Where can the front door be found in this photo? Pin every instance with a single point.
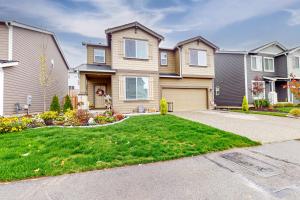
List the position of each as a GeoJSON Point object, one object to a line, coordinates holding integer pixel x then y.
{"type": "Point", "coordinates": [100, 91]}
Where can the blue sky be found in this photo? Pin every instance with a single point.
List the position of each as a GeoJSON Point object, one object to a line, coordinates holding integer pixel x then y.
{"type": "Point", "coordinates": [230, 24]}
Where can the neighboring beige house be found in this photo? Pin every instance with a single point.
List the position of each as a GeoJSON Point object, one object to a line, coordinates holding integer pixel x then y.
{"type": "Point", "coordinates": [21, 48]}
{"type": "Point", "coordinates": [136, 73]}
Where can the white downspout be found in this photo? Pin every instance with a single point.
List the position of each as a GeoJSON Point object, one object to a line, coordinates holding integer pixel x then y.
{"type": "Point", "coordinates": [180, 62]}
{"type": "Point", "coordinates": [246, 76]}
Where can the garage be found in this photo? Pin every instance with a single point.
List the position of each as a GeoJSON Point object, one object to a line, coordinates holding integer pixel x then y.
{"type": "Point", "coordinates": [186, 99]}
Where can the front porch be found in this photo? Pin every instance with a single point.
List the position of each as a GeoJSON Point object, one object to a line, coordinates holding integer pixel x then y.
{"type": "Point", "coordinates": [276, 90]}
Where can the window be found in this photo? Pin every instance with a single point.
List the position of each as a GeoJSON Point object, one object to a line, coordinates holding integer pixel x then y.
{"type": "Point", "coordinates": [297, 62]}
{"type": "Point", "coordinates": [258, 89]}
{"type": "Point", "coordinates": [217, 90]}
{"type": "Point", "coordinates": [256, 63]}
{"type": "Point", "coordinates": [198, 57]}
{"type": "Point", "coordinates": [268, 64]}
{"type": "Point", "coordinates": [163, 58]}
{"type": "Point", "coordinates": [137, 88]}
{"type": "Point", "coordinates": [99, 55]}
{"type": "Point", "coordinates": [136, 49]}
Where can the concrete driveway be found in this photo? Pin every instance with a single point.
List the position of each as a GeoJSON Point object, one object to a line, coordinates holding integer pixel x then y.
{"type": "Point", "coordinates": [265, 129]}
{"type": "Point", "coordinates": [271, 171]}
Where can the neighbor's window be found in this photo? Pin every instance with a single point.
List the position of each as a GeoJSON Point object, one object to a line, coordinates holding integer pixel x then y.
{"type": "Point", "coordinates": [136, 48]}
{"type": "Point", "coordinates": [258, 89]}
{"type": "Point", "coordinates": [256, 63]}
{"type": "Point", "coordinates": [137, 88]}
{"type": "Point", "coordinates": [163, 58]}
{"type": "Point", "coordinates": [198, 57]}
{"type": "Point", "coordinates": [217, 90]}
{"type": "Point", "coordinates": [297, 62]}
{"type": "Point", "coordinates": [268, 64]}
{"type": "Point", "coordinates": [99, 55]}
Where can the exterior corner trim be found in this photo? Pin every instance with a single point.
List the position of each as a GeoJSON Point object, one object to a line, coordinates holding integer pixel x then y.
{"type": "Point", "coordinates": [246, 77]}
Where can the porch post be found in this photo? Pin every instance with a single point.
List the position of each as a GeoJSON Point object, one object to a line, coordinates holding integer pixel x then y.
{"type": "Point", "coordinates": [288, 92]}
{"type": "Point", "coordinates": [83, 84]}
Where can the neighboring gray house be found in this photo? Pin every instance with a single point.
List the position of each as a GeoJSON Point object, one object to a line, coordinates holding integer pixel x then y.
{"type": "Point", "coordinates": [236, 72]}
{"type": "Point", "coordinates": [21, 49]}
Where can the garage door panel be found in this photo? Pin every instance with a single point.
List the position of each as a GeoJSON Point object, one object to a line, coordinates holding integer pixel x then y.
{"type": "Point", "coordinates": [186, 99]}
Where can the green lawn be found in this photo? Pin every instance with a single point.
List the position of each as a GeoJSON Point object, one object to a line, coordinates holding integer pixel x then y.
{"type": "Point", "coordinates": [277, 114]}
{"type": "Point", "coordinates": [141, 139]}
{"type": "Point", "coordinates": [285, 109]}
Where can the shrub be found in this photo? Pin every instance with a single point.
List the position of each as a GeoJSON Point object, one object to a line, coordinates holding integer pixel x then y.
{"type": "Point", "coordinates": [119, 117]}
{"type": "Point", "coordinates": [245, 106]}
{"type": "Point", "coordinates": [70, 118]}
{"type": "Point", "coordinates": [55, 104]}
{"type": "Point", "coordinates": [10, 124]}
{"type": "Point", "coordinates": [83, 117]}
{"type": "Point", "coordinates": [67, 104]}
{"type": "Point", "coordinates": [49, 116]}
{"type": "Point", "coordinates": [288, 105]}
{"type": "Point", "coordinates": [265, 103]}
{"type": "Point", "coordinates": [163, 106]}
{"type": "Point", "coordinates": [102, 119]}
{"type": "Point", "coordinates": [295, 112]}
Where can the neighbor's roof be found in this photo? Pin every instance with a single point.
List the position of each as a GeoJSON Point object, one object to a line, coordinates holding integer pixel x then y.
{"type": "Point", "coordinates": [33, 28]}
{"type": "Point", "coordinates": [134, 25]}
{"type": "Point", "coordinates": [197, 38]}
{"type": "Point", "coordinates": [268, 45]}
{"type": "Point", "coordinates": [232, 52]}
{"type": "Point", "coordinates": [95, 68]}
{"type": "Point", "coordinates": [8, 63]}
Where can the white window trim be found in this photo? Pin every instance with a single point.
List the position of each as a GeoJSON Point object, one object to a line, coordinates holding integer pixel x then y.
{"type": "Point", "coordinates": [124, 50]}
{"type": "Point", "coordinates": [161, 58]}
{"type": "Point", "coordinates": [198, 65]}
{"type": "Point", "coordinates": [265, 58]}
{"type": "Point", "coordinates": [295, 62]}
{"type": "Point", "coordinates": [95, 55]}
{"type": "Point", "coordinates": [136, 99]}
{"type": "Point", "coordinates": [264, 92]}
{"type": "Point", "coordinates": [260, 68]}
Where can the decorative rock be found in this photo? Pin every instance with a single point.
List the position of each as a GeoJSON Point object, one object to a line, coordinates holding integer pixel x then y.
{"type": "Point", "coordinates": [91, 121]}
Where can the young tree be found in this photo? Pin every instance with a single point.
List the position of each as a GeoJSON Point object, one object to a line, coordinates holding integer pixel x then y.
{"type": "Point", "coordinates": [257, 86]}
{"type": "Point", "coordinates": [68, 104]}
{"type": "Point", "coordinates": [55, 104]}
{"type": "Point", "coordinates": [245, 106]}
{"type": "Point", "coordinates": [294, 86]}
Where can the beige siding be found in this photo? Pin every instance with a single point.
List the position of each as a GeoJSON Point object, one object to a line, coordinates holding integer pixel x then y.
{"type": "Point", "coordinates": [3, 42]}
{"type": "Point", "coordinates": [118, 93]}
{"type": "Point", "coordinates": [118, 58]}
{"type": "Point", "coordinates": [195, 70]}
{"type": "Point", "coordinates": [195, 83]}
{"type": "Point", "coordinates": [171, 66]}
{"type": "Point", "coordinates": [23, 80]}
{"type": "Point", "coordinates": [90, 54]}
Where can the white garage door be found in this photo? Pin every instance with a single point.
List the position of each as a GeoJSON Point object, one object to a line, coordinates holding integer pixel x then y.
{"type": "Point", "coordinates": [186, 99]}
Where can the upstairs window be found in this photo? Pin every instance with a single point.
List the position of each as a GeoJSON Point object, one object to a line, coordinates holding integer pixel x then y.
{"type": "Point", "coordinates": [99, 55]}
{"type": "Point", "coordinates": [198, 57]}
{"type": "Point", "coordinates": [163, 58]}
{"type": "Point", "coordinates": [297, 62]}
{"type": "Point", "coordinates": [136, 49]}
{"type": "Point", "coordinates": [268, 64]}
{"type": "Point", "coordinates": [137, 88]}
{"type": "Point", "coordinates": [256, 63]}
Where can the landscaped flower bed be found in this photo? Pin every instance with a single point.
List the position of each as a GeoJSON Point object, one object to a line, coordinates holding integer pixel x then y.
{"type": "Point", "coordinates": [52, 118]}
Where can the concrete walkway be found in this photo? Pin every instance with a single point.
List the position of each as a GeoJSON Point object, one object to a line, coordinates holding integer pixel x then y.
{"type": "Point", "coordinates": [271, 171]}
{"type": "Point", "coordinates": [265, 129]}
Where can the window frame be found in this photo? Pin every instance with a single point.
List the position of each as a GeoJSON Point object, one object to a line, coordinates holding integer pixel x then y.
{"type": "Point", "coordinates": [264, 92]}
{"type": "Point", "coordinates": [217, 91]}
{"type": "Point", "coordinates": [136, 49]}
{"type": "Point", "coordinates": [251, 63]}
{"type": "Point", "coordinates": [295, 67]}
{"type": "Point", "coordinates": [164, 64]}
{"type": "Point", "coordinates": [269, 58]}
{"type": "Point", "coordinates": [198, 64]}
{"type": "Point", "coordinates": [99, 49]}
{"type": "Point", "coordinates": [136, 89]}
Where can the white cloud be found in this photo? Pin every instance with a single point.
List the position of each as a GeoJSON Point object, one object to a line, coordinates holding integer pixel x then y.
{"type": "Point", "coordinates": [295, 17]}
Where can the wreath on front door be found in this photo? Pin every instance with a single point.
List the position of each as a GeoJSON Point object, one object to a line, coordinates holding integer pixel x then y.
{"type": "Point", "coordinates": [100, 92]}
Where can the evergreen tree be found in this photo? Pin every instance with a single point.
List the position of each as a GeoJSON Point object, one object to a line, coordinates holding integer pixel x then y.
{"type": "Point", "coordinates": [245, 106]}
{"type": "Point", "coordinates": [68, 104]}
{"type": "Point", "coordinates": [55, 104]}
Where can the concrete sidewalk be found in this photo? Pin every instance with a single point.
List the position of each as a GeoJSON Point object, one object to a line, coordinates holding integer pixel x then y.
{"type": "Point", "coordinates": [271, 171]}
{"type": "Point", "coordinates": [262, 128]}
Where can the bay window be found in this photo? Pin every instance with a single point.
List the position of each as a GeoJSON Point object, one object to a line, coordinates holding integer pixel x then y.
{"type": "Point", "coordinates": [137, 88]}
{"type": "Point", "coordinates": [136, 49]}
{"type": "Point", "coordinates": [198, 57]}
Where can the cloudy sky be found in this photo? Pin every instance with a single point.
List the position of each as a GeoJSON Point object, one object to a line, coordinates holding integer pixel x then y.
{"type": "Point", "coordinates": [230, 24]}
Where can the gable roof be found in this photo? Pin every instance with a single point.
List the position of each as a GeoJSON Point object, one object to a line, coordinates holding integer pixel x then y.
{"type": "Point", "coordinates": [256, 50]}
{"type": "Point", "coordinates": [197, 38]}
{"type": "Point", "coordinates": [134, 25]}
{"type": "Point", "coordinates": [33, 28]}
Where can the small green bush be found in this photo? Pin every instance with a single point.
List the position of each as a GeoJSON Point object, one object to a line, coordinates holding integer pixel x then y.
{"type": "Point", "coordinates": [68, 104]}
{"type": "Point", "coordinates": [245, 106]}
{"type": "Point", "coordinates": [102, 119]}
{"type": "Point", "coordinates": [55, 104]}
{"type": "Point", "coordinates": [295, 112]}
{"type": "Point", "coordinates": [163, 106]}
{"type": "Point", "coordinates": [49, 115]}
{"type": "Point", "coordinates": [265, 103]}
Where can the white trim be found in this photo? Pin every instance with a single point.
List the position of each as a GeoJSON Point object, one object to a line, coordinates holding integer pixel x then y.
{"type": "Point", "coordinates": [136, 50]}
{"type": "Point", "coordinates": [168, 76]}
{"type": "Point", "coordinates": [8, 64]}
{"type": "Point", "coordinates": [163, 64]}
{"type": "Point", "coordinates": [265, 58]}
{"type": "Point", "coordinates": [136, 99]}
{"type": "Point", "coordinates": [264, 93]}
{"type": "Point", "coordinates": [246, 76]}
{"type": "Point", "coordinates": [289, 93]}
{"type": "Point", "coordinates": [1, 92]}
{"type": "Point", "coordinates": [10, 42]}
{"type": "Point", "coordinates": [294, 67]}
{"type": "Point", "coordinates": [268, 45]}
{"type": "Point", "coordinates": [99, 49]}
{"type": "Point", "coordinates": [259, 67]}
{"type": "Point", "coordinates": [198, 60]}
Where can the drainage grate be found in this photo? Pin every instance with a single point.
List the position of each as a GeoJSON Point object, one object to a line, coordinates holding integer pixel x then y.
{"type": "Point", "coordinates": [252, 164]}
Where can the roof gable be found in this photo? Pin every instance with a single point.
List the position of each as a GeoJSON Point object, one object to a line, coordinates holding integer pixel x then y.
{"type": "Point", "coordinates": [136, 25]}
{"type": "Point", "coordinates": [198, 38]}
{"type": "Point", "coordinates": [273, 48]}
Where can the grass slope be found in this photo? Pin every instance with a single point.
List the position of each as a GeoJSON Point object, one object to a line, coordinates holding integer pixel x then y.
{"type": "Point", "coordinates": [140, 139]}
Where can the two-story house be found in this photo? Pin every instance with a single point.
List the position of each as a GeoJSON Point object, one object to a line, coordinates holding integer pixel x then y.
{"type": "Point", "coordinates": [21, 49]}
{"type": "Point", "coordinates": [269, 66]}
{"type": "Point", "coordinates": [136, 73]}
